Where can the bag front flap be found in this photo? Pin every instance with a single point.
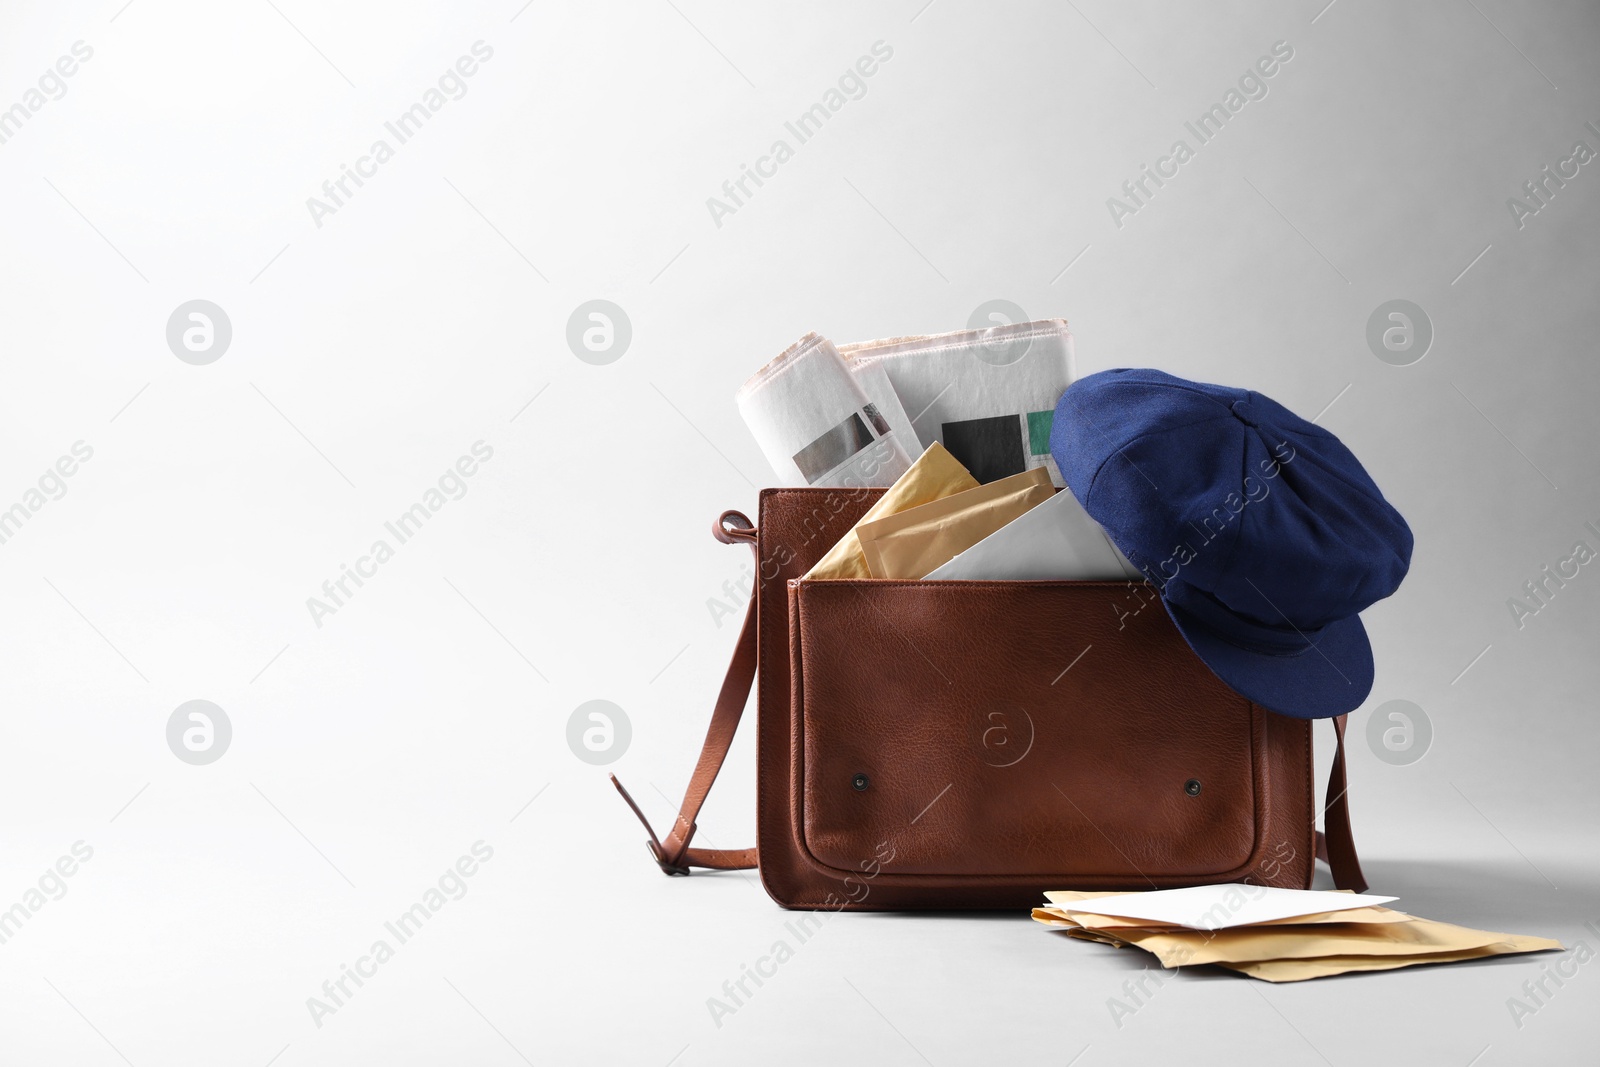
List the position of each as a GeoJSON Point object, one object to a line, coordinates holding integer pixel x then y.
{"type": "Point", "coordinates": [1052, 729]}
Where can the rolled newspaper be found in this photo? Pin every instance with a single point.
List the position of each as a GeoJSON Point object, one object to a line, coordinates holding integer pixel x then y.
{"type": "Point", "coordinates": [815, 423]}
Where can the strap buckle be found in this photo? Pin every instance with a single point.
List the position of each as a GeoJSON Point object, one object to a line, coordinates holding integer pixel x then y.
{"type": "Point", "coordinates": [731, 527]}
{"type": "Point", "coordinates": [671, 869]}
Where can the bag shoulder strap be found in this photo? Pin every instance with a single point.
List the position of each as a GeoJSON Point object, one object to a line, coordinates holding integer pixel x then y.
{"type": "Point", "coordinates": [673, 854]}
{"type": "Point", "coordinates": [1336, 847]}
{"type": "Point", "coordinates": [1336, 843]}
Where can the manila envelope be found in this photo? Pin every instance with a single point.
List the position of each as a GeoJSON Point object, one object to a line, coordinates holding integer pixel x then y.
{"type": "Point", "coordinates": [1299, 970]}
{"type": "Point", "coordinates": [1245, 944]}
{"type": "Point", "coordinates": [1323, 966]}
{"type": "Point", "coordinates": [911, 543]}
{"type": "Point", "coordinates": [934, 475]}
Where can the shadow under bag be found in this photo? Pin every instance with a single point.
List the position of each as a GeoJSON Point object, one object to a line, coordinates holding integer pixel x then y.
{"type": "Point", "coordinates": [972, 744]}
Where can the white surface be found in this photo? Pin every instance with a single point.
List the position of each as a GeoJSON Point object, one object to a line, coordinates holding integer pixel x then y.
{"type": "Point", "coordinates": [1218, 907]}
{"type": "Point", "coordinates": [432, 706]}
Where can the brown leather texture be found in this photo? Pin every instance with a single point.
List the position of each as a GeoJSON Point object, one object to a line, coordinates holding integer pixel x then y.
{"type": "Point", "coordinates": [961, 745]}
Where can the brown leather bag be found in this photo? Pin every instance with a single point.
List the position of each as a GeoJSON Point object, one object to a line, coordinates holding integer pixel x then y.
{"type": "Point", "coordinates": [971, 744]}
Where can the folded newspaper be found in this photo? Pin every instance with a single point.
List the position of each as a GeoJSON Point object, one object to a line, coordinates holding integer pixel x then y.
{"type": "Point", "coordinates": [987, 395]}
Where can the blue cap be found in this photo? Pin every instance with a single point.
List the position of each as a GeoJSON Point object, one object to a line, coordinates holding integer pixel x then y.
{"type": "Point", "coordinates": [1262, 532]}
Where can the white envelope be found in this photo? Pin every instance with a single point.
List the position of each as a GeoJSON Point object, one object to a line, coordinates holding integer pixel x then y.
{"type": "Point", "coordinates": [1055, 541]}
{"type": "Point", "coordinates": [1218, 907]}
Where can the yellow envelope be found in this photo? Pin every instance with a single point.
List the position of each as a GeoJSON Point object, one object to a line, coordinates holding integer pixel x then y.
{"type": "Point", "coordinates": [1321, 967]}
{"type": "Point", "coordinates": [1243, 944]}
{"type": "Point", "coordinates": [934, 475]}
{"type": "Point", "coordinates": [1372, 938]}
{"type": "Point", "coordinates": [1299, 970]}
{"type": "Point", "coordinates": [909, 544]}
{"type": "Point", "coordinates": [1053, 917]}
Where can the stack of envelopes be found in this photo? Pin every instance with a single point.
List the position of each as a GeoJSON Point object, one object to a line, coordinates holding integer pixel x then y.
{"type": "Point", "coordinates": [1277, 935]}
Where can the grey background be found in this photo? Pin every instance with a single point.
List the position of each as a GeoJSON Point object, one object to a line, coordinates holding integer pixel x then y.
{"type": "Point", "coordinates": [430, 312]}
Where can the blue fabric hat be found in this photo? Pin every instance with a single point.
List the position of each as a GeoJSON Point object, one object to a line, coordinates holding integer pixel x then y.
{"type": "Point", "coordinates": [1263, 533]}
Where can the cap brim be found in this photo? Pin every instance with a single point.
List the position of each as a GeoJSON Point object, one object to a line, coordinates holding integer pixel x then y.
{"type": "Point", "coordinates": [1330, 677]}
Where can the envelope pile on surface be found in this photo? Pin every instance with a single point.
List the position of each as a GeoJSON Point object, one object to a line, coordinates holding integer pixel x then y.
{"type": "Point", "coordinates": [1269, 933]}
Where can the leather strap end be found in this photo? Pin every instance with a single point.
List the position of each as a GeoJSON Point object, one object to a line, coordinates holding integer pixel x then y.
{"type": "Point", "coordinates": [733, 528]}
{"type": "Point", "coordinates": [654, 844]}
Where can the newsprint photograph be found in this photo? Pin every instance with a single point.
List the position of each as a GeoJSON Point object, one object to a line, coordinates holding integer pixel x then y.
{"type": "Point", "coordinates": [675, 533]}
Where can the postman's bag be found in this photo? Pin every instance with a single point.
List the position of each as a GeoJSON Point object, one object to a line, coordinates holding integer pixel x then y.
{"type": "Point", "coordinates": [971, 744]}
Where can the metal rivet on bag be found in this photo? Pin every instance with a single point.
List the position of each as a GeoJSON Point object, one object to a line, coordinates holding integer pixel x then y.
{"type": "Point", "coordinates": [860, 783]}
{"type": "Point", "coordinates": [1192, 787]}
